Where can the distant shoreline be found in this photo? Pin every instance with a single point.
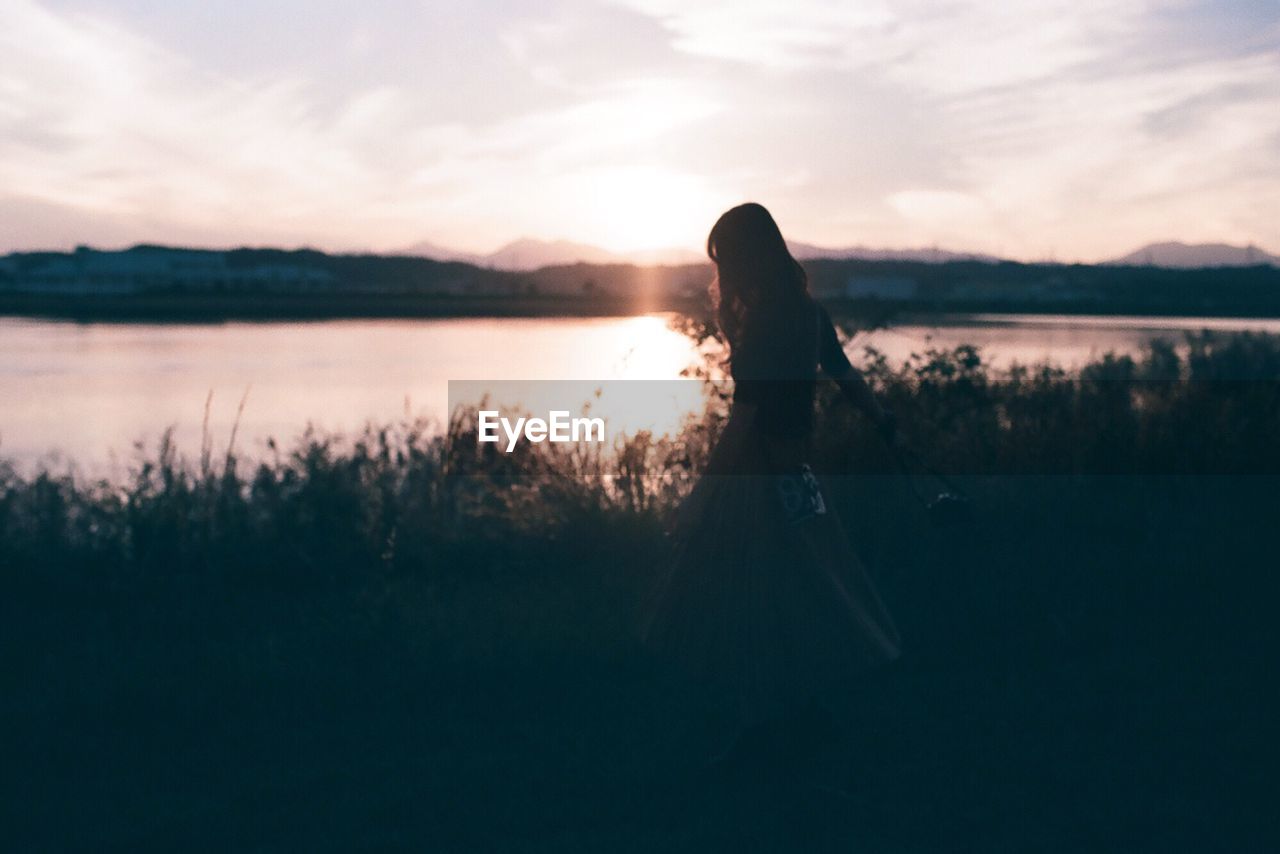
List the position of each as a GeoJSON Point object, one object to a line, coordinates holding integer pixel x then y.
{"type": "Point", "coordinates": [160, 284]}
{"type": "Point", "coordinates": [214, 308]}
{"type": "Point", "coordinates": [161, 308]}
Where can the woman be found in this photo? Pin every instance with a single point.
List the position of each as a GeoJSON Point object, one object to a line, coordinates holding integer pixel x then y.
{"type": "Point", "coordinates": [765, 601]}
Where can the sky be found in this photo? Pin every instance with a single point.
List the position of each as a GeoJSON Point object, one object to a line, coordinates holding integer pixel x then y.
{"type": "Point", "coordinates": [1059, 129]}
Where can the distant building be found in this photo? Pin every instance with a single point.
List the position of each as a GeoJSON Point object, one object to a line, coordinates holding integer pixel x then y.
{"type": "Point", "coordinates": [92, 272]}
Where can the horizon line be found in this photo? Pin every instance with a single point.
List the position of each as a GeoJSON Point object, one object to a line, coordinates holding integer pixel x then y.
{"type": "Point", "coordinates": [476, 258]}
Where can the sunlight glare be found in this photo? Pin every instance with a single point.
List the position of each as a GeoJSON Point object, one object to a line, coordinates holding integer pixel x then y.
{"type": "Point", "coordinates": [636, 208]}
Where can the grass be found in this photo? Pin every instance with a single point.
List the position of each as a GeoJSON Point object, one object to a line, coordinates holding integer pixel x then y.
{"type": "Point", "coordinates": [384, 642]}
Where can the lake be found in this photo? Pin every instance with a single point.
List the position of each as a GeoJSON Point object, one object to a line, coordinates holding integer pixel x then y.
{"type": "Point", "coordinates": [88, 391]}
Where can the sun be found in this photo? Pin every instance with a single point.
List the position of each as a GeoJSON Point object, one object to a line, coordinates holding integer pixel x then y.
{"type": "Point", "coordinates": [634, 209]}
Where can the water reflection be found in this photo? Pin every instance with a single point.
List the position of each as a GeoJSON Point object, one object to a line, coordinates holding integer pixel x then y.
{"type": "Point", "coordinates": [91, 390]}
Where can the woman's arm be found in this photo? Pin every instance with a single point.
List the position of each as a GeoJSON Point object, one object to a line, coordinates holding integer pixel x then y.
{"type": "Point", "coordinates": [855, 388]}
{"type": "Point", "coordinates": [836, 365]}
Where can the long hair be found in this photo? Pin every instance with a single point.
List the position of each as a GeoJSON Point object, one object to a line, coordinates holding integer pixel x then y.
{"type": "Point", "coordinates": [754, 269]}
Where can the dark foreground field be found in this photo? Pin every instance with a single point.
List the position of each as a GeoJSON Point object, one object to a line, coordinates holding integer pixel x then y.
{"type": "Point", "coordinates": [380, 645]}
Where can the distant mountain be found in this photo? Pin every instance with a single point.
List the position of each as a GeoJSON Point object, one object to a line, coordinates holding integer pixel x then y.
{"type": "Point", "coordinates": [435, 252]}
{"type": "Point", "coordinates": [669, 257]}
{"type": "Point", "coordinates": [528, 254]}
{"type": "Point", "coordinates": [531, 254]}
{"type": "Point", "coordinates": [933, 255]}
{"type": "Point", "coordinates": [1189, 255]}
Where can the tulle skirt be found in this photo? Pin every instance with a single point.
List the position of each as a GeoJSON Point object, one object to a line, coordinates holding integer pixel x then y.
{"type": "Point", "coordinates": [764, 601]}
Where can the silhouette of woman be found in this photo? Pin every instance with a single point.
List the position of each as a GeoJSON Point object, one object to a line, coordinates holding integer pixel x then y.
{"type": "Point", "coordinates": [764, 600]}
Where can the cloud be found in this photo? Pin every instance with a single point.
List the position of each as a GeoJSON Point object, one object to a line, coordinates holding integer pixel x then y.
{"type": "Point", "coordinates": [1063, 120]}
{"type": "Point", "coordinates": [793, 34]}
{"type": "Point", "coordinates": [98, 120]}
{"type": "Point", "coordinates": [1090, 167]}
{"type": "Point", "coordinates": [1073, 127]}
{"type": "Point", "coordinates": [943, 47]}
